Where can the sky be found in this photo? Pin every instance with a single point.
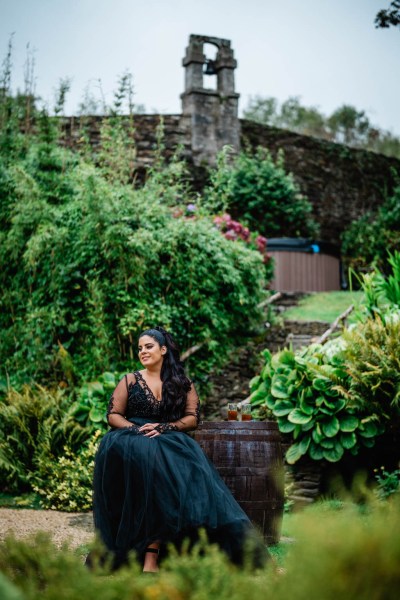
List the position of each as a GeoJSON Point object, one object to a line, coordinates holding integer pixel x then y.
{"type": "Point", "coordinates": [327, 52]}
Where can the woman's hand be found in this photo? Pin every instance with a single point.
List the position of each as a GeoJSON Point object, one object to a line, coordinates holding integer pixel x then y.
{"type": "Point", "coordinates": [149, 429]}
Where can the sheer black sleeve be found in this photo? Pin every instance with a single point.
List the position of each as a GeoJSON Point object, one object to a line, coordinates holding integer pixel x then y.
{"type": "Point", "coordinates": [118, 402]}
{"type": "Point", "coordinates": [190, 419]}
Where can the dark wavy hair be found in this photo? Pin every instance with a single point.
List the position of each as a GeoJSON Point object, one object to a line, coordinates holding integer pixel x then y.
{"type": "Point", "coordinates": [175, 383]}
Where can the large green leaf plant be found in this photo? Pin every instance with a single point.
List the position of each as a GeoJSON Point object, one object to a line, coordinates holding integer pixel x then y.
{"type": "Point", "coordinates": [307, 393]}
{"type": "Point", "coordinates": [336, 398]}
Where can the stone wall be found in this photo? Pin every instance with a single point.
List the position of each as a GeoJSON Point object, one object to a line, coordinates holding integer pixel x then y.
{"type": "Point", "coordinates": [231, 384]}
{"type": "Point", "coordinates": [144, 136]}
{"type": "Point", "coordinates": [342, 183]}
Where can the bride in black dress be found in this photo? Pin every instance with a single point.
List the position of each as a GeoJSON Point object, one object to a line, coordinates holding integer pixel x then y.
{"type": "Point", "coordinates": [152, 483]}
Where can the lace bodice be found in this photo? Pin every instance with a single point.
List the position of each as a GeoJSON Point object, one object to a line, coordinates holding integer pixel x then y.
{"type": "Point", "coordinates": [133, 398]}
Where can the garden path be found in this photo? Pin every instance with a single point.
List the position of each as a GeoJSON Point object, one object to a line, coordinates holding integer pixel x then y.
{"type": "Point", "coordinates": [74, 528]}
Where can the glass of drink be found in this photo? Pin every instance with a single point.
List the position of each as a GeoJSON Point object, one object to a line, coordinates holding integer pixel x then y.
{"type": "Point", "coordinates": [232, 411]}
{"type": "Point", "coordinates": [246, 412]}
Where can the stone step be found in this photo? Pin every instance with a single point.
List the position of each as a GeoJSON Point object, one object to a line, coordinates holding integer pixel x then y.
{"type": "Point", "coordinates": [298, 341]}
{"type": "Point", "coordinates": [313, 328]}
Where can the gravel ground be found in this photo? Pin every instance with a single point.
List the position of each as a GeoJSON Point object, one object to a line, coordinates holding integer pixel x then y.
{"type": "Point", "coordinates": [73, 528]}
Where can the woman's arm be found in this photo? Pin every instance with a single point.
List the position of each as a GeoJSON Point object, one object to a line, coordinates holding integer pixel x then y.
{"type": "Point", "coordinates": [117, 405]}
{"type": "Point", "coordinates": [188, 422]}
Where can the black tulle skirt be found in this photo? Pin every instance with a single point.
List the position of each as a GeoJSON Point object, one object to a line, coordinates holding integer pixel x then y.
{"type": "Point", "coordinates": [165, 489]}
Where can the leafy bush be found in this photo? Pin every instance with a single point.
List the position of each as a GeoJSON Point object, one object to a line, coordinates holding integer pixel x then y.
{"type": "Point", "coordinates": [89, 409]}
{"type": "Point", "coordinates": [388, 482]}
{"type": "Point", "coordinates": [372, 358]}
{"type": "Point", "coordinates": [65, 482]}
{"type": "Point", "coordinates": [368, 239]}
{"type": "Point", "coordinates": [33, 423]}
{"type": "Point", "coordinates": [382, 292]}
{"type": "Point", "coordinates": [44, 448]}
{"type": "Point", "coordinates": [235, 231]}
{"type": "Point", "coordinates": [337, 554]}
{"type": "Point", "coordinates": [88, 262]}
{"type": "Point", "coordinates": [307, 393]}
{"type": "Point", "coordinates": [343, 554]}
{"type": "Point", "coordinates": [340, 396]}
{"type": "Point", "coordinates": [259, 191]}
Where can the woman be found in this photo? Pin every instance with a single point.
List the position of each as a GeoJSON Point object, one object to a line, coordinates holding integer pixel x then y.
{"type": "Point", "coordinates": [152, 482]}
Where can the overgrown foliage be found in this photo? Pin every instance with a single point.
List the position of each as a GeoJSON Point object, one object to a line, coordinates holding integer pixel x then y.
{"type": "Point", "coordinates": [372, 357]}
{"type": "Point", "coordinates": [340, 396]}
{"type": "Point", "coordinates": [89, 261]}
{"type": "Point", "coordinates": [257, 190]}
{"type": "Point", "coordinates": [47, 444]}
{"type": "Point", "coordinates": [389, 17]}
{"type": "Point", "coordinates": [368, 239]}
{"type": "Point", "coordinates": [308, 393]}
{"type": "Point", "coordinates": [34, 426]}
{"type": "Point", "coordinates": [337, 554]}
{"type": "Point", "coordinates": [65, 482]}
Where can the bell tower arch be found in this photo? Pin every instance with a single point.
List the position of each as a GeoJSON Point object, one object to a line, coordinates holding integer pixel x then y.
{"type": "Point", "coordinates": [209, 116]}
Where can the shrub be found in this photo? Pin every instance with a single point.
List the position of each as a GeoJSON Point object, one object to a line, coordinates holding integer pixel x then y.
{"type": "Point", "coordinates": [343, 554]}
{"type": "Point", "coordinates": [372, 357]}
{"type": "Point", "coordinates": [307, 393]}
{"type": "Point", "coordinates": [88, 263]}
{"type": "Point", "coordinates": [65, 482]}
{"type": "Point", "coordinates": [388, 482]}
{"type": "Point", "coordinates": [337, 554]}
{"type": "Point", "coordinates": [382, 292]}
{"type": "Point", "coordinates": [89, 409]}
{"type": "Point", "coordinates": [258, 190]}
{"type": "Point", "coordinates": [368, 239]}
{"type": "Point", "coordinates": [334, 398]}
{"type": "Point", "coordinates": [33, 423]}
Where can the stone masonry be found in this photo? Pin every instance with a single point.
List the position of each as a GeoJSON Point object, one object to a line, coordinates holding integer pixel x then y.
{"type": "Point", "coordinates": [209, 117]}
{"type": "Point", "coordinates": [341, 183]}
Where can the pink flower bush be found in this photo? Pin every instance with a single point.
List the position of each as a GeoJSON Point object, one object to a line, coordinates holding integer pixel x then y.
{"type": "Point", "coordinates": [233, 230]}
{"type": "Point", "coordinates": [261, 243]}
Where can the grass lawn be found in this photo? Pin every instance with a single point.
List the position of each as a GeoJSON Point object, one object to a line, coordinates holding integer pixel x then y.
{"type": "Point", "coordinates": [324, 306]}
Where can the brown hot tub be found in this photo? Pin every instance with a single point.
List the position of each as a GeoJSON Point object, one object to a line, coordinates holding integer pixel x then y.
{"type": "Point", "coordinates": [302, 265]}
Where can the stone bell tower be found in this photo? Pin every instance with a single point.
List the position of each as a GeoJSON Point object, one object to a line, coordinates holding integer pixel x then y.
{"type": "Point", "coordinates": [209, 117]}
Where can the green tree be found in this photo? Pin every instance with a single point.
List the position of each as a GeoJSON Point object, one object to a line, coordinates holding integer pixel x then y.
{"type": "Point", "coordinates": [389, 17]}
{"type": "Point", "coordinates": [349, 126]}
{"type": "Point", "coordinates": [346, 125]}
{"type": "Point", "coordinates": [290, 115]}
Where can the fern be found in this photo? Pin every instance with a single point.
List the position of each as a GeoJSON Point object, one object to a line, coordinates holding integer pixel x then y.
{"type": "Point", "coordinates": [373, 363]}
{"type": "Point", "coordinates": [34, 423]}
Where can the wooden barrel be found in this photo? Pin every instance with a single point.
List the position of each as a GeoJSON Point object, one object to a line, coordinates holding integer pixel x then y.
{"type": "Point", "coordinates": [248, 456]}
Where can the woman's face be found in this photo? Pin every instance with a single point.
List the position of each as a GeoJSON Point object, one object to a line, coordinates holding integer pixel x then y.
{"type": "Point", "coordinates": [150, 351]}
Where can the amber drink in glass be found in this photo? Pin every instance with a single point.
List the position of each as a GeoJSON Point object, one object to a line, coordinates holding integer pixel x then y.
{"type": "Point", "coordinates": [246, 412]}
{"type": "Point", "coordinates": [232, 411]}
